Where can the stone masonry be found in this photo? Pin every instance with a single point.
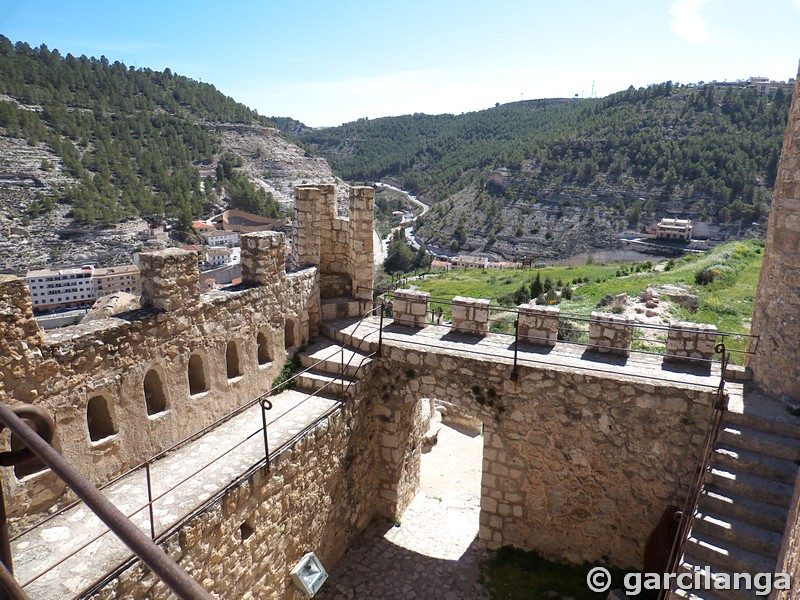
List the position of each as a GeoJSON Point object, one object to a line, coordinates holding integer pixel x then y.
{"type": "Point", "coordinates": [342, 247]}
{"type": "Point", "coordinates": [776, 351]}
{"type": "Point", "coordinates": [690, 342]}
{"type": "Point", "coordinates": [203, 355]}
{"type": "Point", "coordinates": [776, 323]}
{"type": "Point", "coordinates": [318, 495]}
{"type": "Point", "coordinates": [471, 315]}
{"type": "Point", "coordinates": [410, 308]}
{"type": "Point", "coordinates": [611, 334]}
{"type": "Point", "coordinates": [578, 464]}
{"type": "Point", "coordinates": [538, 324]}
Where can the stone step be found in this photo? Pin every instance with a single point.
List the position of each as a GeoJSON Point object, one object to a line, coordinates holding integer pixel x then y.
{"type": "Point", "coordinates": [712, 551]}
{"type": "Point", "coordinates": [344, 308]}
{"type": "Point", "coordinates": [755, 410]}
{"type": "Point", "coordinates": [312, 381]}
{"type": "Point", "coordinates": [329, 357]}
{"type": "Point", "coordinates": [736, 531]}
{"type": "Point", "coordinates": [752, 486]}
{"type": "Point", "coordinates": [333, 332]}
{"type": "Point", "coordinates": [753, 511]}
{"type": "Point", "coordinates": [739, 436]}
{"type": "Point", "coordinates": [755, 463]}
{"type": "Point", "coordinates": [691, 565]}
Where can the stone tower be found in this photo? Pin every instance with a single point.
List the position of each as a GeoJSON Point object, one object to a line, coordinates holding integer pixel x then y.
{"type": "Point", "coordinates": [776, 317]}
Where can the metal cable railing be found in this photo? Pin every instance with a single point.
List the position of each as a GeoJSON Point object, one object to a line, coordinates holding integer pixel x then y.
{"type": "Point", "coordinates": [700, 473]}
{"type": "Point", "coordinates": [566, 330]}
{"type": "Point", "coordinates": [263, 400]}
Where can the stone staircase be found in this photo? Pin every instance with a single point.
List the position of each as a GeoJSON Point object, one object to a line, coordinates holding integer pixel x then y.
{"type": "Point", "coordinates": [335, 368]}
{"type": "Point", "coordinates": [746, 498]}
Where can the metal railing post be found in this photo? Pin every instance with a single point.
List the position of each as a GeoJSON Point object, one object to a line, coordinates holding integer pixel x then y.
{"type": "Point", "coordinates": [514, 371]}
{"type": "Point", "coordinates": [150, 500]}
{"type": "Point", "coordinates": [264, 410]}
{"type": "Point", "coordinates": [380, 331]}
{"type": "Point", "coordinates": [5, 546]}
{"type": "Point", "coordinates": [10, 587]}
{"type": "Point", "coordinates": [146, 549]}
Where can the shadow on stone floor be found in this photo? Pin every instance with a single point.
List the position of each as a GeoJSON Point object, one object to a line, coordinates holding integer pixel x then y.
{"type": "Point", "coordinates": [375, 568]}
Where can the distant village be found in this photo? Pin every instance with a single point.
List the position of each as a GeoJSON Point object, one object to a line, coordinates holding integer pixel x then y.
{"type": "Point", "coordinates": [97, 292]}
{"type": "Point", "coordinates": [93, 292]}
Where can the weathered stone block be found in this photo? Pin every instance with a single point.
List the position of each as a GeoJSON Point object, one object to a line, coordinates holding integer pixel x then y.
{"type": "Point", "coordinates": [538, 324]}
{"type": "Point", "coordinates": [410, 308]}
{"type": "Point", "coordinates": [690, 342]}
{"type": "Point", "coordinates": [169, 279]}
{"type": "Point", "coordinates": [471, 315]}
{"type": "Point", "coordinates": [611, 334]}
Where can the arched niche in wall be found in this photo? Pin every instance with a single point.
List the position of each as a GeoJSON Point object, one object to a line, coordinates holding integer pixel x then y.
{"type": "Point", "coordinates": [290, 334]}
{"type": "Point", "coordinates": [233, 366]}
{"type": "Point", "coordinates": [29, 467]}
{"type": "Point", "coordinates": [262, 344]}
{"type": "Point", "coordinates": [155, 397]}
{"type": "Point", "coordinates": [100, 418]}
{"type": "Point", "coordinates": [198, 378]}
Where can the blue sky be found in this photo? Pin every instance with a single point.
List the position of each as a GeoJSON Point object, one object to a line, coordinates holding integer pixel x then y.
{"type": "Point", "coordinates": [328, 62]}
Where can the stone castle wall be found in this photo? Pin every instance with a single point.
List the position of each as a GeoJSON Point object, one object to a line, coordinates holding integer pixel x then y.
{"type": "Point", "coordinates": [202, 355]}
{"type": "Point", "coordinates": [775, 317]}
{"type": "Point", "coordinates": [341, 246]}
{"type": "Point", "coordinates": [577, 465]}
{"type": "Point", "coordinates": [319, 496]}
{"type": "Point", "coordinates": [72, 371]}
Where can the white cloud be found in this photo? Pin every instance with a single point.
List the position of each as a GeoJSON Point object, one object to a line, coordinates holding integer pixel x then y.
{"type": "Point", "coordinates": [796, 4]}
{"type": "Point", "coordinates": [688, 23]}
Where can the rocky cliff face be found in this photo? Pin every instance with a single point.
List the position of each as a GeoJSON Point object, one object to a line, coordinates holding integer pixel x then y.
{"type": "Point", "coordinates": [28, 171]}
{"type": "Point", "coordinates": [273, 162]}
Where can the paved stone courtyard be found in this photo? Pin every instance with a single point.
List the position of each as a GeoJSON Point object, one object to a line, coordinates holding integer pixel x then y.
{"type": "Point", "coordinates": [432, 553]}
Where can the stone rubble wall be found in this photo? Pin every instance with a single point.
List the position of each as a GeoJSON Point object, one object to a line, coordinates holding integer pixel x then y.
{"type": "Point", "coordinates": [577, 465]}
{"type": "Point", "coordinates": [63, 369]}
{"type": "Point", "coordinates": [319, 496]}
{"type": "Point", "coordinates": [471, 315]}
{"type": "Point", "coordinates": [538, 324]}
{"type": "Point", "coordinates": [611, 334]}
{"type": "Point", "coordinates": [410, 308]}
{"type": "Point", "coordinates": [776, 326]}
{"type": "Point", "coordinates": [690, 342]}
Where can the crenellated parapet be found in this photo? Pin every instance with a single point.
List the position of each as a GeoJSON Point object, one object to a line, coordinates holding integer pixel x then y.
{"type": "Point", "coordinates": [538, 324]}
{"type": "Point", "coordinates": [123, 388]}
{"type": "Point", "coordinates": [20, 339]}
{"type": "Point", "coordinates": [471, 315]}
{"type": "Point", "coordinates": [610, 334]}
{"type": "Point", "coordinates": [170, 279]}
{"type": "Point", "coordinates": [342, 246]}
{"type": "Point", "coordinates": [263, 257]}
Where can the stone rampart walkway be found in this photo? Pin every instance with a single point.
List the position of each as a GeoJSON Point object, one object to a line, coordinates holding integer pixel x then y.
{"type": "Point", "coordinates": [499, 348]}
{"type": "Point", "coordinates": [43, 558]}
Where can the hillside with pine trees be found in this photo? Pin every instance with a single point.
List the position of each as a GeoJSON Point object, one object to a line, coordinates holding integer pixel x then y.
{"type": "Point", "coordinates": [549, 177]}
{"type": "Point", "coordinates": [90, 147]}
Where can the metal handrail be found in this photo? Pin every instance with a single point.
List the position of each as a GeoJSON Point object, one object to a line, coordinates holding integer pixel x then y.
{"type": "Point", "coordinates": [142, 546]}
{"type": "Point", "coordinates": [701, 471]}
{"type": "Point", "coordinates": [224, 418]}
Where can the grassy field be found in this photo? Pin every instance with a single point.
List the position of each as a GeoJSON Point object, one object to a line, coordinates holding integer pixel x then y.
{"type": "Point", "coordinates": [726, 301]}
